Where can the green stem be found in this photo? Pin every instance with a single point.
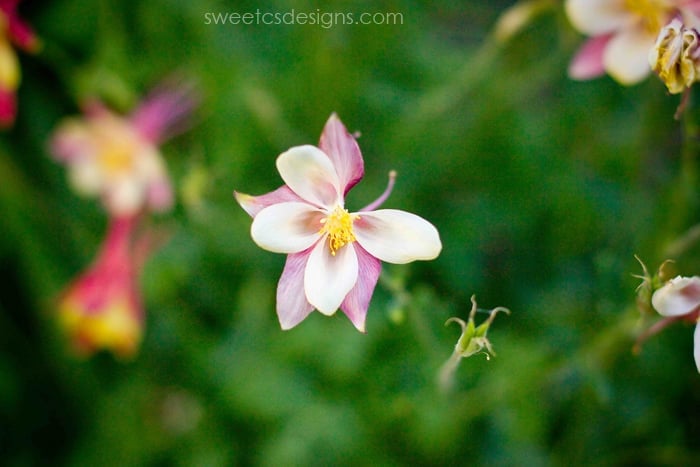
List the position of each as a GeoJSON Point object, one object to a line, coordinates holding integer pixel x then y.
{"type": "Point", "coordinates": [684, 199]}
{"type": "Point", "coordinates": [447, 372]}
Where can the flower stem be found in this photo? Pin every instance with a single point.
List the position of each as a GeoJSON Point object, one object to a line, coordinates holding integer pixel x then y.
{"type": "Point", "coordinates": [684, 199]}
{"type": "Point", "coordinates": [447, 372]}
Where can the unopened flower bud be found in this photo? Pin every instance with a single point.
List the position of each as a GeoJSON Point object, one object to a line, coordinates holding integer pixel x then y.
{"type": "Point", "coordinates": [473, 340]}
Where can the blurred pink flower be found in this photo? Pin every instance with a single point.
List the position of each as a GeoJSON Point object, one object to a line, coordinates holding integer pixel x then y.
{"type": "Point", "coordinates": [333, 255]}
{"type": "Point", "coordinates": [102, 308]}
{"type": "Point", "coordinates": [12, 30]}
{"type": "Point", "coordinates": [679, 299]}
{"type": "Point", "coordinates": [622, 32]}
{"type": "Point", "coordinates": [117, 158]}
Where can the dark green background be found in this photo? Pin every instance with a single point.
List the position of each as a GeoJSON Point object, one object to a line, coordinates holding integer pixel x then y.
{"type": "Point", "coordinates": [542, 188]}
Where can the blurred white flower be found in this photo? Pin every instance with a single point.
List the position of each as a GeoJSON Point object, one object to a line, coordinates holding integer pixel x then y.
{"type": "Point", "coordinates": [117, 158]}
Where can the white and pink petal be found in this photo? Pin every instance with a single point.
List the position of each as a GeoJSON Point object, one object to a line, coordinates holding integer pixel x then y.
{"type": "Point", "coordinates": [341, 147]}
{"type": "Point", "coordinates": [71, 141]}
{"type": "Point", "coordinates": [679, 296]}
{"type": "Point", "coordinates": [292, 305]}
{"type": "Point", "coordinates": [397, 236]}
{"type": "Point", "coordinates": [310, 174]}
{"type": "Point", "coordinates": [254, 204]}
{"type": "Point", "coordinates": [124, 196]}
{"type": "Point", "coordinates": [165, 112]}
{"type": "Point", "coordinates": [596, 17]}
{"type": "Point", "coordinates": [626, 56]}
{"type": "Point", "coordinates": [329, 278]}
{"type": "Point", "coordinates": [588, 61]}
{"type": "Point", "coordinates": [85, 176]}
{"type": "Point", "coordinates": [287, 227]}
{"type": "Point", "coordinates": [357, 300]}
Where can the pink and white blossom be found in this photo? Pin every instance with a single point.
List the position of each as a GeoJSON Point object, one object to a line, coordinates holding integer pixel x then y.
{"type": "Point", "coordinates": [117, 158]}
{"type": "Point", "coordinates": [621, 34]}
{"type": "Point", "coordinates": [334, 256]}
{"type": "Point", "coordinates": [679, 299]}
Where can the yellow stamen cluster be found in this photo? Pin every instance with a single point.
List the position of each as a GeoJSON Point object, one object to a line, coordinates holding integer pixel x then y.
{"type": "Point", "coordinates": [117, 147]}
{"type": "Point", "coordinates": [653, 13]}
{"type": "Point", "coordinates": [338, 226]}
{"type": "Point", "coordinates": [116, 160]}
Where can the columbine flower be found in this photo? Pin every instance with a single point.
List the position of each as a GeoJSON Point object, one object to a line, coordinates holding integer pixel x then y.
{"type": "Point", "coordinates": [679, 299]}
{"type": "Point", "coordinates": [622, 33]}
{"type": "Point", "coordinates": [102, 309]}
{"type": "Point", "coordinates": [12, 29]}
{"type": "Point", "coordinates": [117, 158]}
{"type": "Point", "coordinates": [334, 255]}
{"type": "Point", "coordinates": [675, 56]}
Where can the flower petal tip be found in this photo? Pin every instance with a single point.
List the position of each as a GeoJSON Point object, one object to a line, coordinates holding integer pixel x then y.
{"type": "Point", "coordinates": [286, 326]}
{"type": "Point", "coordinates": [246, 201]}
{"type": "Point", "coordinates": [293, 315]}
{"type": "Point", "coordinates": [360, 327]}
{"type": "Point", "coordinates": [326, 311]}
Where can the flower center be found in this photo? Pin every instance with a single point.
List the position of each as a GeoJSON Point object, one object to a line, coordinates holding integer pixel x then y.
{"type": "Point", "coordinates": [338, 226]}
{"type": "Point", "coordinates": [116, 159]}
{"type": "Point", "coordinates": [653, 13]}
{"type": "Point", "coordinates": [117, 147]}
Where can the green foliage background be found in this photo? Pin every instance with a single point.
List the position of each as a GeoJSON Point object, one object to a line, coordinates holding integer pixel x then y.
{"type": "Point", "coordinates": [542, 188]}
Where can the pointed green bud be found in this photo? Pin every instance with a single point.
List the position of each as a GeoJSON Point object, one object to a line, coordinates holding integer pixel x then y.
{"type": "Point", "coordinates": [473, 340]}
